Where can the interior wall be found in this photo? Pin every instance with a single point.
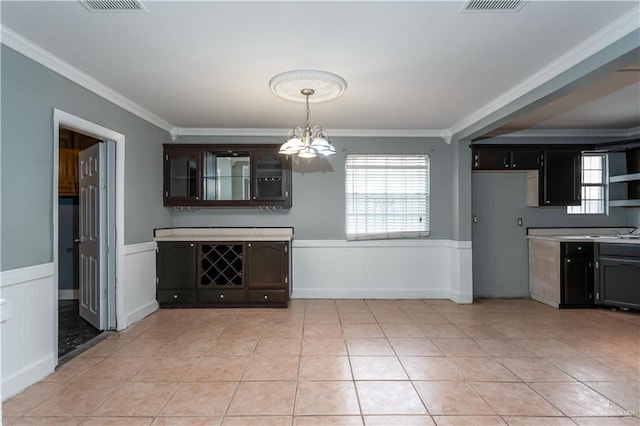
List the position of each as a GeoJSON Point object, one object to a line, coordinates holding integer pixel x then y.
{"type": "Point", "coordinates": [500, 248]}
{"type": "Point", "coordinates": [29, 94]}
{"type": "Point", "coordinates": [318, 211]}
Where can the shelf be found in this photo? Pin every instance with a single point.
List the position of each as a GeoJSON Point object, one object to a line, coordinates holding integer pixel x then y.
{"type": "Point", "coordinates": [624, 178]}
{"type": "Point", "coordinates": [624, 203]}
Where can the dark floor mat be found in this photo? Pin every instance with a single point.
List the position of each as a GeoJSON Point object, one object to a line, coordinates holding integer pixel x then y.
{"type": "Point", "coordinates": [73, 331]}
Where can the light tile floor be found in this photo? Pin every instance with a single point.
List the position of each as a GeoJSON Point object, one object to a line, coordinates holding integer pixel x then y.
{"type": "Point", "coordinates": [352, 362]}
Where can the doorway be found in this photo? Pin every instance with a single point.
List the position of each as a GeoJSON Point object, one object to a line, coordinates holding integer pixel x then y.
{"type": "Point", "coordinates": [72, 136]}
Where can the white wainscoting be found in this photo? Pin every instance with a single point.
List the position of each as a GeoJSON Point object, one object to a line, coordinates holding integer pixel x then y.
{"type": "Point", "coordinates": [28, 334]}
{"type": "Point", "coordinates": [137, 290]}
{"type": "Point", "coordinates": [399, 269]}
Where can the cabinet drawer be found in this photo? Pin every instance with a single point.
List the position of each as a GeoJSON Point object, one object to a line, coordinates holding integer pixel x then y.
{"type": "Point", "coordinates": [176, 296]}
{"type": "Point", "coordinates": [630, 250]}
{"type": "Point", "coordinates": [221, 296]}
{"type": "Point", "coordinates": [573, 249]}
{"type": "Point", "coordinates": [267, 296]}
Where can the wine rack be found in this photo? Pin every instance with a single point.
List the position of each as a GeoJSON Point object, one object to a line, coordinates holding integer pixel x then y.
{"type": "Point", "coordinates": [221, 265]}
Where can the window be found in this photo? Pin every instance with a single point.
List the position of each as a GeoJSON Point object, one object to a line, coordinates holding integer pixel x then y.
{"type": "Point", "coordinates": [594, 185]}
{"type": "Point", "coordinates": [387, 196]}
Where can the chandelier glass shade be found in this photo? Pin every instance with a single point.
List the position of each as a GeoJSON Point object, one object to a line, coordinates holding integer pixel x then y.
{"type": "Point", "coordinates": [307, 141]}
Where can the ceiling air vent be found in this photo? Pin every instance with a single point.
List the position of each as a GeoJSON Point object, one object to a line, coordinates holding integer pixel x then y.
{"type": "Point", "coordinates": [493, 5]}
{"type": "Point", "coordinates": [113, 5]}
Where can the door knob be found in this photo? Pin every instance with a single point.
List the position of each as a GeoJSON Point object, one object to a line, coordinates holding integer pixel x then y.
{"type": "Point", "coordinates": [77, 240]}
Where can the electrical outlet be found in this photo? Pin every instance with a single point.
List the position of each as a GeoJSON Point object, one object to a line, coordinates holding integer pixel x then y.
{"type": "Point", "coordinates": [519, 222]}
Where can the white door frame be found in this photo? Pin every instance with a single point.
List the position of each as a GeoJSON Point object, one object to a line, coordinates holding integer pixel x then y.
{"type": "Point", "coordinates": [91, 129]}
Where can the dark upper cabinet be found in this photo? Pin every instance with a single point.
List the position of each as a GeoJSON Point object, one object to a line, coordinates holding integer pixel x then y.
{"type": "Point", "coordinates": [577, 275]}
{"type": "Point", "coordinates": [506, 159]}
{"type": "Point", "coordinates": [226, 176]}
{"type": "Point", "coordinates": [491, 159]}
{"type": "Point", "coordinates": [560, 180]}
{"type": "Point", "coordinates": [272, 173]}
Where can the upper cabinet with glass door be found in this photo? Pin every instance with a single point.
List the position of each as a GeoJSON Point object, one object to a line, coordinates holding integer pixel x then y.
{"type": "Point", "coordinates": [226, 176]}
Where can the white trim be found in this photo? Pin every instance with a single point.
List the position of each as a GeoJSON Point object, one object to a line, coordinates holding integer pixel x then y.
{"type": "Point", "coordinates": [31, 50]}
{"type": "Point", "coordinates": [28, 375]}
{"type": "Point", "coordinates": [92, 129]}
{"type": "Point", "coordinates": [409, 242]}
{"type": "Point", "coordinates": [140, 247]}
{"type": "Point", "coordinates": [138, 314]}
{"type": "Point", "coordinates": [599, 41]}
{"type": "Point", "coordinates": [571, 133]}
{"type": "Point", "coordinates": [68, 294]}
{"type": "Point", "coordinates": [29, 273]}
{"type": "Point", "coordinates": [404, 133]}
{"type": "Point", "coordinates": [403, 269]}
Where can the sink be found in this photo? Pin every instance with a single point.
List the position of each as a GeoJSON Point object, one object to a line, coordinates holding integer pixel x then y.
{"type": "Point", "coordinates": [630, 237]}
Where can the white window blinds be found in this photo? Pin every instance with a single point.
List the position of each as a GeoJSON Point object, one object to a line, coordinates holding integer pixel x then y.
{"type": "Point", "coordinates": [387, 196]}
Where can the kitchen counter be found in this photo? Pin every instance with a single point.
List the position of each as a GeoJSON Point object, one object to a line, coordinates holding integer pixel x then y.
{"type": "Point", "coordinates": [224, 234]}
{"type": "Point", "coordinates": [609, 239]}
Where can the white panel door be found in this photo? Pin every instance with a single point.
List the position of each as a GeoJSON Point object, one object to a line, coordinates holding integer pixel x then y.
{"type": "Point", "coordinates": [93, 293]}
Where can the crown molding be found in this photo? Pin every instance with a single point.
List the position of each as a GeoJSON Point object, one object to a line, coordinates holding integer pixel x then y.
{"type": "Point", "coordinates": [599, 41]}
{"type": "Point", "coordinates": [571, 133]}
{"type": "Point", "coordinates": [32, 51]}
{"type": "Point", "coordinates": [402, 133]}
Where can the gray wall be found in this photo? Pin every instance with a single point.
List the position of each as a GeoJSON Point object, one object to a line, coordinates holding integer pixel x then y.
{"type": "Point", "coordinates": [500, 250]}
{"type": "Point", "coordinates": [30, 92]}
{"type": "Point", "coordinates": [318, 211]}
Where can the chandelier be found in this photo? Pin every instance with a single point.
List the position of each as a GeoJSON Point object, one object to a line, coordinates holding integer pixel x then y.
{"type": "Point", "coordinates": [307, 141]}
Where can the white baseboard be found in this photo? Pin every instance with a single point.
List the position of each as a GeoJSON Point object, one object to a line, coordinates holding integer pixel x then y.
{"type": "Point", "coordinates": [69, 294]}
{"type": "Point", "coordinates": [319, 293]}
{"type": "Point", "coordinates": [26, 376]}
{"type": "Point", "coordinates": [139, 313]}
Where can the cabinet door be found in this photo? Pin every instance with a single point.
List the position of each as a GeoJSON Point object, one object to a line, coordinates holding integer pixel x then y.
{"type": "Point", "coordinates": [526, 159]}
{"type": "Point", "coordinates": [619, 282]}
{"type": "Point", "coordinates": [561, 179]}
{"type": "Point", "coordinates": [271, 177]}
{"type": "Point", "coordinates": [577, 281]}
{"type": "Point", "coordinates": [182, 172]}
{"type": "Point", "coordinates": [491, 159]}
{"type": "Point", "coordinates": [176, 265]}
{"type": "Point", "coordinates": [267, 264]}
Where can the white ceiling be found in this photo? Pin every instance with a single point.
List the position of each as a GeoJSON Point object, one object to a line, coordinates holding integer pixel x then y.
{"type": "Point", "coordinates": [409, 66]}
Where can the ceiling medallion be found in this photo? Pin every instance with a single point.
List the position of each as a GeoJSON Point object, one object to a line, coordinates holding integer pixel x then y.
{"type": "Point", "coordinates": [289, 85]}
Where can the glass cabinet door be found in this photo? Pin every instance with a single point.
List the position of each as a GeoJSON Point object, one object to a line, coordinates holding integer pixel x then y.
{"type": "Point", "coordinates": [226, 176]}
{"type": "Point", "coordinates": [182, 177]}
{"type": "Point", "coordinates": [269, 175]}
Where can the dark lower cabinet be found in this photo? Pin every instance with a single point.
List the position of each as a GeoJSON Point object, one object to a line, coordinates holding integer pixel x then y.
{"type": "Point", "coordinates": [223, 273]}
{"type": "Point", "coordinates": [618, 277]}
{"type": "Point", "coordinates": [176, 269]}
{"type": "Point", "coordinates": [577, 275]}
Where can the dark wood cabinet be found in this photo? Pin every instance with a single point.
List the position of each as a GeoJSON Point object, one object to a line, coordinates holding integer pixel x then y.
{"type": "Point", "coordinates": [495, 159]}
{"type": "Point", "coordinates": [226, 176]}
{"type": "Point", "coordinates": [176, 269]}
{"type": "Point", "coordinates": [560, 181]}
{"type": "Point", "coordinates": [267, 271]}
{"type": "Point", "coordinates": [223, 273]}
{"type": "Point", "coordinates": [70, 144]}
{"type": "Point", "coordinates": [576, 275]}
{"type": "Point", "coordinates": [618, 275]}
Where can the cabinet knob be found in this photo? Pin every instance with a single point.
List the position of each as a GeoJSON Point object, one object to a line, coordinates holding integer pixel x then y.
{"type": "Point", "coordinates": [249, 245]}
{"type": "Point", "coordinates": [197, 198]}
{"type": "Point", "coordinates": [579, 248]}
{"type": "Point", "coordinates": [222, 296]}
{"type": "Point", "coordinates": [175, 296]}
{"type": "Point", "coordinates": [254, 197]}
{"type": "Point", "coordinates": [513, 165]}
{"type": "Point", "coordinates": [568, 260]}
{"type": "Point", "coordinates": [191, 245]}
{"type": "Point", "coordinates": [266, 297]}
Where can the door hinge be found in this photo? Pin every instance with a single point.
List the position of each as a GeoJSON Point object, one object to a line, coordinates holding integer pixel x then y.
{"type": "Point", "coordinates": [597, 264]}
{"type": "Point", "coordinates": [166, 193]}
{"type": "Point", "coordinates": [166, 157]}
{"type": "Point", "coordinates": [286, 249]}
{"type": "Point", "coordinates": [598, 296]}
{"type": "Point", "coordinates": [157, 281]}
{"type": "Point", "coordinates": [286, 280]}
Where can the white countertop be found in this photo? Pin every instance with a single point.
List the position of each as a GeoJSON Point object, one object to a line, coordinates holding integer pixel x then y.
{"type": "Point", "coordinates": [224, 234]}
{"type": "Point", "coordinates": [609, 239]}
